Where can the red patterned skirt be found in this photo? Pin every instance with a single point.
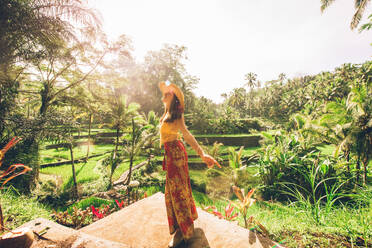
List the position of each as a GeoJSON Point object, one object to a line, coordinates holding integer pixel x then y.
{"type": "Point", "coordinates": [181, 210]}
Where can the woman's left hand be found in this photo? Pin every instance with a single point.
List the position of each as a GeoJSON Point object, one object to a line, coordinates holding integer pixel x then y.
{"type": "Point", "coordinates": [210, 161]}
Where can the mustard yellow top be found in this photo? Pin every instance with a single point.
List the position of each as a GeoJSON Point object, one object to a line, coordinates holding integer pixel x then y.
{"type": "Point", "coordinates": [169, 131]}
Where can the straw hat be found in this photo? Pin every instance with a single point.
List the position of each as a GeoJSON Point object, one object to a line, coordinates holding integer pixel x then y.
{"type": "Point", "coordinates": [174, 88]}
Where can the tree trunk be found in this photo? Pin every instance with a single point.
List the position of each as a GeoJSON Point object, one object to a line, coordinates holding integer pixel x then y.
{"type": "Point", "coordinates": [117, 140]}
{"type": "Point", "coordinates": [365, 165]}
{"type": "Point", "coordinates": [245, 221]}
{"type": "Point", "coordinates": [75, 190]}
{"type": "Point", "coordinates": [131, 153]}
{"type": "Point", "coordinates": [45, 99]}
{"type": "Point", "coordinates": [358, 169]}
{"type": "Point", "coordinates": [129, 176]}
{"type": "Point", "coordinates": [348, 160]}
{"type": "Point", "coordinates": [89, 128]}
{"type": "Point", "coordinates": [110, 185]}
{"type": "Point", "coordinates": [1, 220]}
{"type": "Point", "coordinates": [131, 159]}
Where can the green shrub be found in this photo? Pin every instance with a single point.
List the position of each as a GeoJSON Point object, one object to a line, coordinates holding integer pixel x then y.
{"type": "Point", "coordinates": [91, 201]}
{"type": "Point", "coordinates": [288, 165]}
{"type": "Point", "coordinates": [199, 185]}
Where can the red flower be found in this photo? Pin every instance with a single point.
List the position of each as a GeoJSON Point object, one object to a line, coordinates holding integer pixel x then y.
{"type": "Point", "coordinates": [97, 213]}
{"type": "Point", "coordinates": [121, 204]}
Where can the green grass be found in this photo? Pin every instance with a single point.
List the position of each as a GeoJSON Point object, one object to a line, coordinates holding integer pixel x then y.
{"type": "Point", "coordinates": [61, 154]}
{"type": "Point", "coordinates": [91, 201]}
{"type": "Point", "coordinates": [125, 166]}
{"type": "Point", "coordinates": [85, 172]}
{"type": "Point", "coordinates": [285, 222]}
{"type": "Point", "coordinates": [19, 209]}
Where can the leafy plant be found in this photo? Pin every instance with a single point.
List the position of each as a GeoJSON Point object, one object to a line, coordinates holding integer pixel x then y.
{"type": "Point", "coordinates": [120, 204]}
{"type": "Point", "coordinates": [288, 161]}
{"type": "Point", "coordinates": [235, 157]}
{"type": "Point", "coordinates": [245, 202]}
{"type": "Point", "coordinates": [349, 125]}
{"type": "Point", "coordinates": [76, 219]}
{"type": "Point", "coordinates": [319, 202]}
{"type": "Point", "coordinates": [112, 161]}
{"type": "Point", "coordinates": [102, 212]}
{"type": "Point", "coordinates": [9, 173]}
{"type": "Point", "coordinates": [228, 214]}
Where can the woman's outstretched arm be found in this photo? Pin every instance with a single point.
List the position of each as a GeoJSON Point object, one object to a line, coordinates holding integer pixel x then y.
{"type": "Point", "coordinates": [189, 138]}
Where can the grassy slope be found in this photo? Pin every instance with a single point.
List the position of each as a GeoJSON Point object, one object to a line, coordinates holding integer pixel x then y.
{"type": "Point", "coordinates": [61, 154]}
{"type": "Point", "coordinates": [19, 209]}
{"type": "Point", "coordinates": [84, 171]}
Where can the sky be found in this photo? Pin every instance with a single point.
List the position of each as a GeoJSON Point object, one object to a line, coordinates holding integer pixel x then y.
{"type": "Point", "coordinates": [227, 39]}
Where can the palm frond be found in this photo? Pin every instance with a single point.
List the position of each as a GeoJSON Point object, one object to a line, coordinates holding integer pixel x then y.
{"type": "Point", "coordinates": [360, 5]}
{"type": "Point", "coordinates": [325, 4]}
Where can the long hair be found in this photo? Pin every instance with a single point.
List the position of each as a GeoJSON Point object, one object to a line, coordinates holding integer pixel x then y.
{"type": "Point", "coordinates": [175, 110]}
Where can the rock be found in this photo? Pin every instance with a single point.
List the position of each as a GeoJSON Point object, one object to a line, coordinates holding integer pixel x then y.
{"type": "Point", "coordinates": [134, 184]}
{"type": "Point", "coordinates": [59, 236]}
{"type": "Point", "coordinates": [19, 238]}
{"type": "Point", "coordinates": [120, 187]}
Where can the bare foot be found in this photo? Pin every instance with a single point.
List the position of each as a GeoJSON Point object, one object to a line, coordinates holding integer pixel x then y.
{"type": "Point", "coordinates": [176, 240]}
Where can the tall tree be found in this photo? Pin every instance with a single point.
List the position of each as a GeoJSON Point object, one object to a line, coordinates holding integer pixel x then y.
{"type": "Point", "coordinates": [27, 27]}
{"type": "Point", "coordinates": [251, 82]}
{"type": "Point", "coordinates": [165, 64]}
{"type": "Point", "coordinates": [121, 114]}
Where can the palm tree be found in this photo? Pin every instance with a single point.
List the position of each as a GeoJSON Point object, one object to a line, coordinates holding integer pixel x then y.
{"type": "Point", "coordinates": [151, 126]}
{"type": "Point", "coordinates": [350, 126]}
{"type": "Point", "coordinates": [360, 6]}
{"type": "Point", "coordinates": [121, 113]}
{"type": "Point", "coordinates": [137, 141]}
{"type": "Point", "coordinates": [251, 82]}
{"type": "Point", "coordinates": [251, 79]}
{"type": "Point", "coordinates": [27, 27]}
{"type": "Point", "coordinates": [282, 77]}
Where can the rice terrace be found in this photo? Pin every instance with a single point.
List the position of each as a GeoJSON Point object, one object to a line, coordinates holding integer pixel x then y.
{"type": "Point", "coordinates": [185, 123]}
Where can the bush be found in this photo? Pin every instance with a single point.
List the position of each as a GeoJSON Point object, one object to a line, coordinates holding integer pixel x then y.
{"type": "Point", "coordinates": [199, 185]}
{"type": "Point", "coordinates": [25, 152]}
{"type": "Point", "coordinates": [91, 201]}
{"type": "Point", "coordinates": [289, 168]}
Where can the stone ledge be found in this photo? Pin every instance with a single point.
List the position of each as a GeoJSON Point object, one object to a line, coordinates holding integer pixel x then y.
{"type": "Point", "coordinates": [144, 224]}
{"type": "Point", "coordinates": [61, 236]}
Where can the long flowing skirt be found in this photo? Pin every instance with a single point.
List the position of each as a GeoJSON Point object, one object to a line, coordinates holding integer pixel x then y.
{"type": "Point", "coordinates": [181, 210]}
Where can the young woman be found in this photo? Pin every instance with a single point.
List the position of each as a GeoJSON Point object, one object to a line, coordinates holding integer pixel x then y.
{"type": "Point", "coordinates": [181, 210]}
